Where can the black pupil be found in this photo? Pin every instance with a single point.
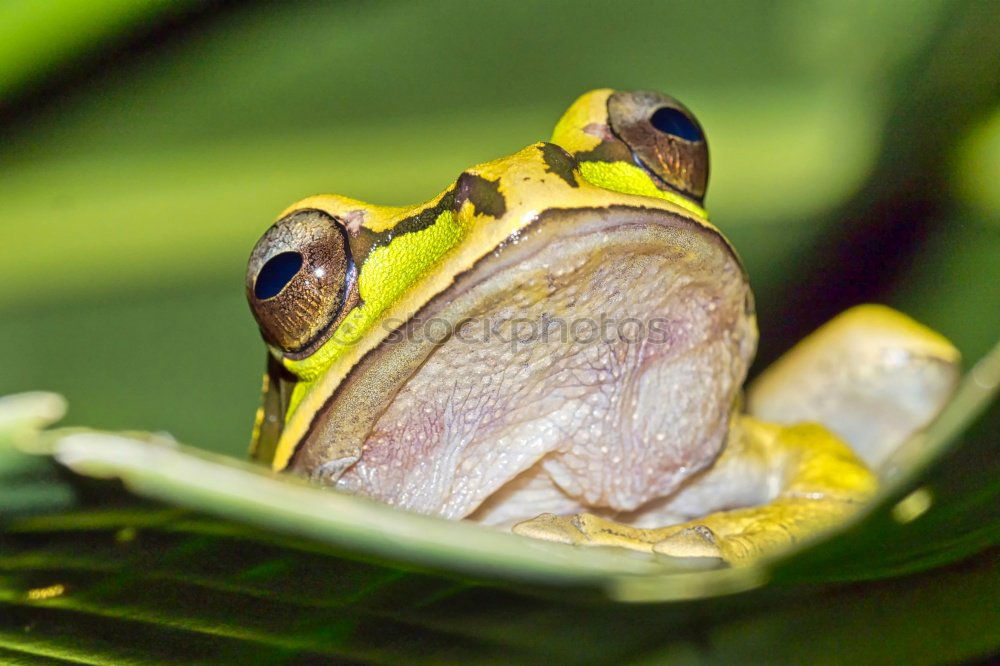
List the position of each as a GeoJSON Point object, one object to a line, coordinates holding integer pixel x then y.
{"type": "Point", "coordinates": [675, 122]}
{"type": "Point", "coordinates": [276, 273]}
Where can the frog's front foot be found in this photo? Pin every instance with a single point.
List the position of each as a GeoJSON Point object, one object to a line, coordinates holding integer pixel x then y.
{"type": "Point", "coordinates": [586, 529]}
{"type": "Point", "coordinates": [744, 535]}
{"type": "Point", "coordinates": [737, 537]}
{"type": "Point", "coordinates": [813, 481]}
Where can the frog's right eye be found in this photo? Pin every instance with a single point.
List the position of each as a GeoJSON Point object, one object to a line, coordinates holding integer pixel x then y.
{"type": "Point", "coordinates": [301, 280]}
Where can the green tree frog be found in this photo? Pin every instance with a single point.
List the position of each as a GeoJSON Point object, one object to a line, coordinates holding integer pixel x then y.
{"type": "Point", "coordinates": [556, 344]}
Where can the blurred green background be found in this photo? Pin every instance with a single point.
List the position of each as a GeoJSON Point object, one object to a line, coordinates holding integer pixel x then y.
{"type": "Point", "coordinates": [146, 145]}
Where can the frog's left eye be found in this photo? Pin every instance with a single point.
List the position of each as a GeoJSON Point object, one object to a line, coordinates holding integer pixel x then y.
{"type": "Point", "coordinates": [301, 280]}
{"type": "Point", "coordinates": [664, 137]}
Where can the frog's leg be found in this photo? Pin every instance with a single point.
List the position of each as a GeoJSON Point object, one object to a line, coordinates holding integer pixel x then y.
{"type": "Point", "coordinates": [806, 477]}
{"type": "Point", "coordinates": [872, 375]}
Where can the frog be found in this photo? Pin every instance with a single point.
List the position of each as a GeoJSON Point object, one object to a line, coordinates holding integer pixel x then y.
{"type": "Point", "coordinates": [557, 345]}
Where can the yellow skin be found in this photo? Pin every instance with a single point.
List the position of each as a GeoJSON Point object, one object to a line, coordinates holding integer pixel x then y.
{"type": "Point", "coordinates": [870, 355]}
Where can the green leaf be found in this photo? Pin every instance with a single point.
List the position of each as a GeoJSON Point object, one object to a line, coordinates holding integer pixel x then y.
{"type": "Point", "coordinates": [37, 36]}
{"type": "Point", "coordinates": [27, 483]}
{"type": "Point", "coordinates": [272, 567]}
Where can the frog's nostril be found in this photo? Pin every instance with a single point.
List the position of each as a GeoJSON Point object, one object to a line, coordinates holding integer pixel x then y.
{"type": "Point", "coordinates": [275, 274]}
{"type": "Point", "coordinates": [673, 121]}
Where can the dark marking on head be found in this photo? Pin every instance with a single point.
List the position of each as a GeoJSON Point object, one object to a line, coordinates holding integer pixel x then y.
{"type": "Point", "coordinates": [559, 162]}
{"type": "Point", "coordinates": [483, 194]}
{"type": "Point", "coordinates": [419, 221]}
{"type": "Point", "coordinates": [613, 150]}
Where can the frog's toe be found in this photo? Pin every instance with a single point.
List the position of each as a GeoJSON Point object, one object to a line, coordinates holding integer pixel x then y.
{"type": "Point", "coordinates": [586, 529]}
{"type": "Point", "coordinates": [550, 527]}
{"type": "Point", "coordinates": [737, 537]}
{"type": "Point", "coordinates": [694, 541]}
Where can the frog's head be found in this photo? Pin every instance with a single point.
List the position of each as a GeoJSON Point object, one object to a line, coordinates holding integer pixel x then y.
{"type": "Point", "coordinates": [560, 327]}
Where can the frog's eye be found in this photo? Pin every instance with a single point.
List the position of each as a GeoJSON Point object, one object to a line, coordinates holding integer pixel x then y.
{"type": "Point", "coordinates": [301, 280]}
{"type": "Point", "coordinates": [664, 137]}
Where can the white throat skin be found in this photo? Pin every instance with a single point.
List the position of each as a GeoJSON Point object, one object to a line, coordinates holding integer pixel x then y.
{"type": "Point", "coordinates": [506, 399]}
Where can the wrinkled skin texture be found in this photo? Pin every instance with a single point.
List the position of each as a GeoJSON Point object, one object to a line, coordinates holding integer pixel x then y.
{"type": "Point", "coordinates": [494, 409]}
